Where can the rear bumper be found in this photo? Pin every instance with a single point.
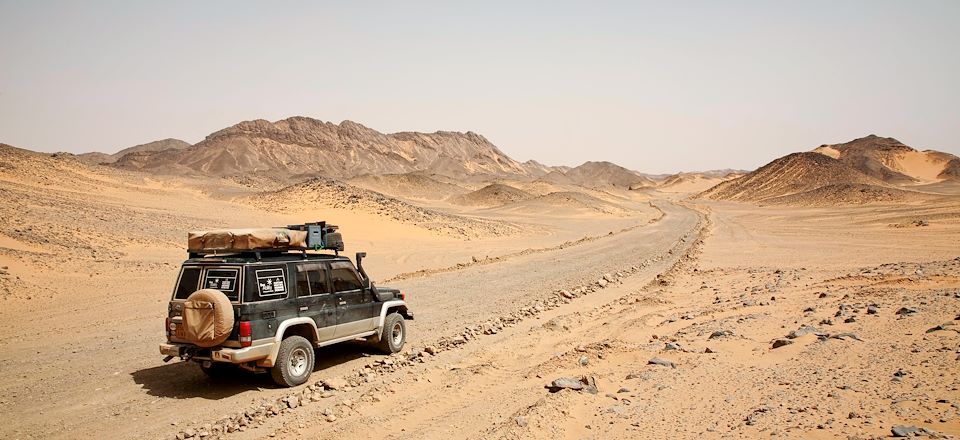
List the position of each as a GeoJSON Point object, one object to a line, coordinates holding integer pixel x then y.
{"type": "Point", "coordinates": [219, 354]}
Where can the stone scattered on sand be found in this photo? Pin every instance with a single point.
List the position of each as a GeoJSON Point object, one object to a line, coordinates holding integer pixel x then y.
{"type": "Point", "coordinates": [671, 346]}
{"type": "Point", "coordinates": [521, 421]}
{"type": "Point", "coordinates": [906, 311]}
{"type": "Point", "coordinates": [334, 383]}
{"type": "Point", "coordinates": [720, 334]}
{"type": "Point", "coordinates": [907, 431]}
{"type": "Point", "coordinates": [802, 331]}
{"type": "Point", "coordinates": [850, 320]}
{"type": "Point", "coordinates": [872, 309]}
{"type": "Point", "coordinates": [586, 384]}
{"type": "Point", "coordinates": [781, 342]}
{"type": "Point", "coordinates": [584, 361]}
{"type": "Point", "coordinates": [662, 362]}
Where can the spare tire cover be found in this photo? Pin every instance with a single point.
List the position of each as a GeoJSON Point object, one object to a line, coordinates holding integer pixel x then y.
{"type": "Point", "coordinates": [207, 318]}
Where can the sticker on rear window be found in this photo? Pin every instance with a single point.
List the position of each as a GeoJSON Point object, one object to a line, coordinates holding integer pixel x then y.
{"type": "Point", "coordinates": [271, 282]}
{"type": "Point", "coordinates": [224, 280]}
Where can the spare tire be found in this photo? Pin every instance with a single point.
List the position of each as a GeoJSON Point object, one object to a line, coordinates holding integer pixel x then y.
{"type": "Point", "coordinates": [207, 318]}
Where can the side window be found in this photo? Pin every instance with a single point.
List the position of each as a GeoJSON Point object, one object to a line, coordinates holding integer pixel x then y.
{"type": "Point", "coordinates": [303, 286]}
{"type": "Point", "coordinates": [318, 280]}
{"type": "Point", "coordinates": [189, 280]}
{"type": "Point", "coordinates": [266, 283]}
{"type": "Point", "coordinates": [344, 278]}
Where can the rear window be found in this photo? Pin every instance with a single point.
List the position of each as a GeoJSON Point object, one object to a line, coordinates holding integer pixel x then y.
{"type": "Point", "coordinates": [189, 280]}
{"type": "Point", "coordinates": [224, 280]}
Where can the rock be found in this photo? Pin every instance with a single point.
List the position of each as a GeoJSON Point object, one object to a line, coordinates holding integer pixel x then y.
{"type": "Point", "coordinates": [826, 321]}
{"type": "Point", "coordinates": [850, 319]}
{"type": "Point", "coordinates": [584, 361]}
{"type": "Point", "coordinates": [430, 349]}
{"type": "Point", "coordinates": [822, 295]}
{"type": "Point", "coordinates": [602, 282]}
{"type": "Point", "coordinates": [905, 431]}
{"type": "Point", "coordinates": [802, 331]}
{"type": "Point", "coordinates": [331, 418]}
{"type": "Point", "coordinates": [662, 362]}
{"type": "Point", "coordinates": [189, 433]}
{"type": "Point", "coordinates": [566, 294]}
{"type": "Point", "coordinates": [906, 311]}
{"type": "Point", "coordinates": [568, 383]}
{"type": "Point", "coordinates": [846, 335]}
{"type": "Point", "coordinates": [292, 401]}
{"type": "Point", "coordinates": [586, 384]}
{"type": "Point", "coordinates": [623, 390]}
{"type": "Point", "coordinates": [457, 340]}
{"type": "Point", "coordinates": [608, 277]}
{"type": "Point", "coordinates": [781, 342]}
{"type": "Point", "coordinates": [720, 334]}
{"type": "Point", "coordinates": [334, 383]}
{"type": "Point", "coordinates": [671, 346]}
{"type": "Point", "coordinates": [872, 310]}
{"type": "Point", "coordinates": [521, 421]}
{"type": "Point", "coordinates": [708, 350]}
{"type": "Point", "coordinates": [944, 326]}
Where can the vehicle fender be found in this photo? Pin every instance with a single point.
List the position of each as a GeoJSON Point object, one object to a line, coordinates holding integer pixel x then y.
{"type": "Point", "coordinates": [275, 351]}
{"type": "Point", "coordinates": [383, 312]}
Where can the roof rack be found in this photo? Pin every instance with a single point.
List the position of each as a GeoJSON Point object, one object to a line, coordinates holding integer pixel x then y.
{"type": "Point", "coordinates": [254, 242]}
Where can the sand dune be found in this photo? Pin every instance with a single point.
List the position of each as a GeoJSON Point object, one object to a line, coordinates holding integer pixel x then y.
{"type": "Point", "coordinates": [564, 203]}
{"type": "Point", "coordinates": [496, 194]}
{"type": "Point", "coordinates": [409, 185]}
{"type": "Point", "coordinates": [316, 193]}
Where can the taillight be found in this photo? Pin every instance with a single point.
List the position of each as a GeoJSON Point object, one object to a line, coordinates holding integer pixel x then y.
{"type": "Point", "coordinates": [166, 326]}
{"type": "Point", "coordinates": [246, 334]}
{"type": "Point", "coordinates": [403, 296]}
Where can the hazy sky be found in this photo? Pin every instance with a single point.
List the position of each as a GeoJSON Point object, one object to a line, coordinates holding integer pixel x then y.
{"type": "Point", "coordinates": [656, 88]}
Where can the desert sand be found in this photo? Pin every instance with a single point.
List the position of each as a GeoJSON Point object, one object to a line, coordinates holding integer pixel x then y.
{"type": "Point", "coordinates": [757, 308]}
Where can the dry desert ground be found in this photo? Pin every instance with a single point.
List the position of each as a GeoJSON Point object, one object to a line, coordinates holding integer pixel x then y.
{"type": "Point", "coordinates": [544, 310]}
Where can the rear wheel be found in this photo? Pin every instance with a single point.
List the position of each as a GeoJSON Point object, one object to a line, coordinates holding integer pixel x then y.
{"type": "Point", "coordinates": [393, 335]}
{"type": "Point", "coordinates": [294, 362]}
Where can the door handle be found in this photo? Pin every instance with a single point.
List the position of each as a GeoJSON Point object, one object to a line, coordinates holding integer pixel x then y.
{"type": "Point", "coordinates": [342, 303]}
{"type": "Point", "coordinates": [304, 308]}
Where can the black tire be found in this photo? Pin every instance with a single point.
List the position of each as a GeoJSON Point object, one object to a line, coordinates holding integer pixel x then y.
{"type": "Point", "coordinates": [217, 370]}
{"type": "Point", "coordinates": [393, 335]}
{"type": "Point", "coordinates": [294, 362]}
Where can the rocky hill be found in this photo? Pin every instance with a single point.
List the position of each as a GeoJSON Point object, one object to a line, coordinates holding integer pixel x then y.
{"type": "Point", "coordinates": [599, 175]}
{"type": "Point", "coordinates": [149, 147]}
{"type": "Point", "coordinates": [300, 146]}
{"type": "Point", "coordinates": [891, 161]}
{"type": "Point", "coordinates": [792, 174]}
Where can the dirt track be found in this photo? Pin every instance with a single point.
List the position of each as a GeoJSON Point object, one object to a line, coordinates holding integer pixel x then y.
{"type": "Point", "coordinates": [96, 374]}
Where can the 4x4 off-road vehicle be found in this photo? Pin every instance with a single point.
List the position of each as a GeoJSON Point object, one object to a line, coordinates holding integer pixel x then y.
{"type": "Point", "coordinates": [263, 299]}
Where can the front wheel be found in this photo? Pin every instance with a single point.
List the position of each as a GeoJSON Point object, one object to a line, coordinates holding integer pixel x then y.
{"type": "Point", "coordinates": [393, 335]}
{"type": "Point", "coordinates": [294, 362]}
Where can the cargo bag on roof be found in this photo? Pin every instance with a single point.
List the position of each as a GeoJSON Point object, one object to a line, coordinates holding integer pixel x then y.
{"type": "Point", "coordinates": [240, 240]}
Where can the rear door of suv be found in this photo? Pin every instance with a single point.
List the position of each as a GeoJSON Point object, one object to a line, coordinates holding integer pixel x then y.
{"type": "Point", "coordinates": [355, 307]}
{"type": "Point", "coordinates": [314, 299]}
